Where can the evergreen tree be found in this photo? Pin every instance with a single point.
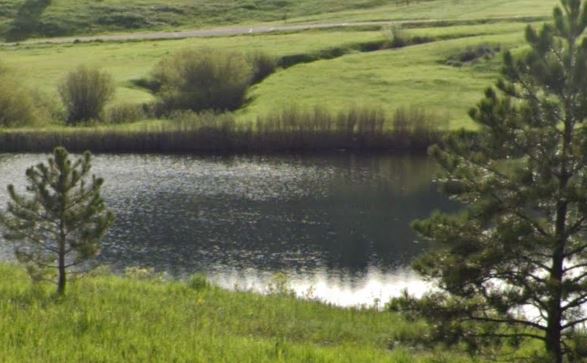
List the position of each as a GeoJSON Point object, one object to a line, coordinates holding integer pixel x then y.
{"type": "Point", "coordinates": [60, 223]}
{"type": "Point", "coordinates": [519, 248]}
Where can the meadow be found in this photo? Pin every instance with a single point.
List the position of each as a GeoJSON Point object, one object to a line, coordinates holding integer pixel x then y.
{"type": "Point", "coordinates": [415, 75]}
{"type": "Point", "coordinates": [143, 317]}
{"type": "Point", "coordinates": [74, 17]}
{"type": "Point", "coordinates": [336, 69]}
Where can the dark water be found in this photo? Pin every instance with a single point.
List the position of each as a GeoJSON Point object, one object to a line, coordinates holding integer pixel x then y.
{"type": "Point", "coordinates": [337, 226]}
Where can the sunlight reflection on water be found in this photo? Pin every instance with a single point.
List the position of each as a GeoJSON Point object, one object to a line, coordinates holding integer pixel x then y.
{"type": "Point", "coordinates": [336, 224]}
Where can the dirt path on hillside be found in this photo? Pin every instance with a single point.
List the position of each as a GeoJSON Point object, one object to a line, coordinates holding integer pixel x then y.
{"type": "Point", "coordinates": [264, 29]}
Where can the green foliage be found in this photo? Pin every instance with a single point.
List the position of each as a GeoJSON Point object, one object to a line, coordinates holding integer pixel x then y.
{"type": "Point", "coordinates": [16, 103]}
{"type": "Point", "coordinates": [520, 243]}
{"type": "Point", "coordinates": [60, 224]}
{"type": "Point", "coordinates": [85, 92]}
{"type": "Point", "coordinates": [202, 79]}
{"type": "Point", "coordinates": [198, 282]}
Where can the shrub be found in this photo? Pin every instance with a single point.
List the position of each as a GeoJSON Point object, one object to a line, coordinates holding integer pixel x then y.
{"type": "Point", "coordinates": [398, 37]}
{"type": "Point", "coordinates": [198, 282]}
{"type": "Point", "coordinates": [472, 55]}
{"type": "Point", "coordinates": [202, 79]}
{"type": "Point", "coordinates": [263, 66]}
{"type": "Point", "coordinates": [16, 103]}
{"type": "Point", "coordinates": [85, 92]}
{"type": "Point", "coordinates": [126, 112]}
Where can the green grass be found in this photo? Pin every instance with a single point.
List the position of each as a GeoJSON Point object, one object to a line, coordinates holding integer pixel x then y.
{"type": "Point", "coordinates": [441, 10]}
{"type": "Point", "coordinates": [64, 17]}
{"type": "Point", "coordinates": [43, 66]}
{"type": "Point", "coordinates": [67, 17]}
{"type": "Point", "coordinates": [415, 75]}
{"type": "Point", "coordinates": [114, 319]}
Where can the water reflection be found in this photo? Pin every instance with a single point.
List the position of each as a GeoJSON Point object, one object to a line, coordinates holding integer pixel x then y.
{"type": "Point", "coordinates": [338, 223]}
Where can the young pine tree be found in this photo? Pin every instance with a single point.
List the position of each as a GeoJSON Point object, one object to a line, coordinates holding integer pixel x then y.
{"type": "Point", "coordinates": [513, 265]}
{"type": "Point", "coordinates": [61, 221]}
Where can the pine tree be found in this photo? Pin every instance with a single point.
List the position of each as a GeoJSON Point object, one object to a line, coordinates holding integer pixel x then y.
{"type": "Point", "coordinates": [61, 221]}
{"type": "Point", "coordinates": [520, 245]}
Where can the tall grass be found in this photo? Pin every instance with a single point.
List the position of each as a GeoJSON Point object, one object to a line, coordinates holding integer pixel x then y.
{"type": "Point", "coordinates": [292, 129]}
{"type": "Point", "coordinates": [105, 318]}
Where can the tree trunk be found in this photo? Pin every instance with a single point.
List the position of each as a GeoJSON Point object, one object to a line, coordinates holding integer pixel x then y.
{"type": "Point", "coordinates": [555, 313]}
{"type": "Point", "coordinates": [553, 328]}
{"type": "Point", "coordinates": [61, 263]}
{"type": "Point", "coordinates": [62, 278]}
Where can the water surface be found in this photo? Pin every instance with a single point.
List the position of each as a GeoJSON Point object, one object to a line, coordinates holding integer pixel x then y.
{"type": "Point", "coordinates": [336, 225]}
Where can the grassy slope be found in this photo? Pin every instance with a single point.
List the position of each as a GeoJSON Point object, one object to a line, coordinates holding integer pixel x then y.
{"type": "Point", "coordinates": [442, 9]}
{"type": "Point", "coordinates": [42, 66]}
{"type": "Point", "coordinates": [127, 320]}
{"type": "Point", "coordinates": [87, 16]}
{"type": "Point", "coordinates": [390, 79]}
{"type": "Point", "coordinates": [413, 76]}
{"type": "Point", "coordinates": [64, 17]}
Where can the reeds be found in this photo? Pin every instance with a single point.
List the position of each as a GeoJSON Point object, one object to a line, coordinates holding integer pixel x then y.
{"type": "Point", "coordinates": [292, 129]}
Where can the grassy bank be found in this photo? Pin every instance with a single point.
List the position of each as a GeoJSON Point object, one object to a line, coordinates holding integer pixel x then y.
{"type": "Point", "coordinates": [115, 319]}
{"type": "Point", "coordinates": [292, 129]}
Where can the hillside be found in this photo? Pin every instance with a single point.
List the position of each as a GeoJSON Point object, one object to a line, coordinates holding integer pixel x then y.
{"type": "Point", "coordinates": [438, 70]}
{"type": "Point", "coordinates": [67, 17]}
{"type": "Point", "coordinates": [20, 19]}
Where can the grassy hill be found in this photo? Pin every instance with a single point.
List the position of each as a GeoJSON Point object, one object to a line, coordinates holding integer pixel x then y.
{"type": "Point", "coordinates": [66, 17]}
{"type": "Point", "coordinates": [339, 71]}
{"type": "Point", "coordinates": [418, 75]}
{"type": "Point", "coordinates": [73, 17]}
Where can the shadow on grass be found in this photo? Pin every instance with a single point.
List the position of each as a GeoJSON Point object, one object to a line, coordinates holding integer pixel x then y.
{"type": "Point", "coordinates": [26, 22]}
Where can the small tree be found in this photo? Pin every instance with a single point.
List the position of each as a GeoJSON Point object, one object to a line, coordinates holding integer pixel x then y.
{"type": "Point", "coordinates": [61, 223]}
{"type": "Point", "coordinates": [520, 248]}
{"type": "Point", "coordinates": [85, 92]}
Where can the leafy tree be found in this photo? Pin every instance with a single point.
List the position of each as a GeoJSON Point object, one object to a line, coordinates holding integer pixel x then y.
{"type": "Point", "coordinates": [519, 249]}
{"type": "Point", "coordinates": [85, 92]}
{"type": "Point", "coordinates": [60, 223]}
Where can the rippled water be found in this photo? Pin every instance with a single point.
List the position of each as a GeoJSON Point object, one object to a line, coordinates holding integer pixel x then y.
{"type": "Point", "coordinates": [337, 226]}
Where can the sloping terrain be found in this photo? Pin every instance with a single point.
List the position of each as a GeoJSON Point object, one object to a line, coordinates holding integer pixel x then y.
{"type": "Point", "coordinates": [20, 19]}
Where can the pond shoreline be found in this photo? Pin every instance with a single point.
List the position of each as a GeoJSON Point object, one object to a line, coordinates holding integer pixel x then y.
{"type": "Point", "coordinates": [215, 141]}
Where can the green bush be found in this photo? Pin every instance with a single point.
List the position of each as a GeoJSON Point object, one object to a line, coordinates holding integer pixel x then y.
{"type": "Point", "coordinates": [85, 92]}
{"type": "Point", "coordinates": [202, 79]}
{"type": "Point", "coordinates": [126, 112]}
{"type": "Point", "coordinates": [198, 282]}
{"type": "Point", "coordinates": [16, 103]}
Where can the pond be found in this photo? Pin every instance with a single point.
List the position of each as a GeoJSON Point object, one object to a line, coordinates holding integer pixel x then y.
{"type": "Point", "coordinates": [337, 226]}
